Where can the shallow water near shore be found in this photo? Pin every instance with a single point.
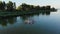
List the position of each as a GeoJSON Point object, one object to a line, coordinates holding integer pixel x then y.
{"type": "Point", "coordinates": [44, 23]}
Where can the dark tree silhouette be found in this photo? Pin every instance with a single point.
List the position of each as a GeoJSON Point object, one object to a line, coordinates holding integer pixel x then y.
{"type": "Point", "coordinates": [4, 5]}
{"type": "Point", "coordinates": [48, 7]}
{"type": "Point", "coordinates": [10, 6]}
{"type": "Point", "coordinates": [14, 6]}
{"type": "Point", "coordinates": [24, 6]}
{"type": "Point", "coordinates": [1, 5]}
{"type": "Point", "coordinates": [37, 7]}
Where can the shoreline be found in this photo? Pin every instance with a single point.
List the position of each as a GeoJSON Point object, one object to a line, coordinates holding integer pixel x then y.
{"type": "Point", "coordinates": [18, 13]}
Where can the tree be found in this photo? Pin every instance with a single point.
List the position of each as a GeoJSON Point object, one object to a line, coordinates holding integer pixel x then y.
{"type": "Point", "coordinates": [19, 8]}
{"type": "Point", "coordinates": [31, 7]}
{"type": "Point", "coordinates": [48, 7]}
{"type": "Point", "coordinates": [10, 6]}
{"type": "Point", "coordinates": [23, 6]}
{"type": "Point", "coordinates": [4, 5]}
{"type": "Point", "coordinates": [37, 7]}
{"type": "Point", "coordinates": [14, 6]}
{"type": "Point", "coordinates": [1, 4]}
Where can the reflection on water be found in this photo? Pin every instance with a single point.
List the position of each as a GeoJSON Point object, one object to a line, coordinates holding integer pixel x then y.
{"type": "Point", "coordinates": [28, 20]}
{"type": "Point", "coordinates": [37, 23]}
{"type": "Point", "coordinates": [3, 22]}
{"type": "Point", "coordinates": [10, 20]}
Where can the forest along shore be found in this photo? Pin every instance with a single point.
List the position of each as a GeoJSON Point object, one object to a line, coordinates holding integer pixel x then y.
{"type": "Point", "coordinates": [9, 9]}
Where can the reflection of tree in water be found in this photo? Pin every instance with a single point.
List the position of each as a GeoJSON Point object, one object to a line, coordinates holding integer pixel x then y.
{"type": "Point", "coordinates": [4, 21]}
{"type": "Point", "coordinates": [27, 20]}
{"type": "Point", "coordinates": [27, 17]}
{"type": "Point", "coordinates": [37, 13]}
{"type": "Point", "coordinates": [12, 20]}
{"type": "Point", "coordinates": [45, 12]}
{"type": "Point", "coordinates": [24, 17]}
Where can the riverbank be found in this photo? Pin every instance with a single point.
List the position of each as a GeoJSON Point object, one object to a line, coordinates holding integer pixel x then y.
{"type": "Point", "coordinates": [10, 9]}
{"type": "Point", "coordinates": [18, 13]}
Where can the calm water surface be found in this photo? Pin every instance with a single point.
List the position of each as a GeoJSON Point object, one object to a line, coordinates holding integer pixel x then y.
{"type": "Point", "coordinates": [44, 23]}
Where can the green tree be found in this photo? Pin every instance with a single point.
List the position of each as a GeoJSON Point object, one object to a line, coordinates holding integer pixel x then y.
{"type": "Point", "coordinates": [4, 5]}
{"type": "Point", "coordinates": [25, 6]}
{"type": "Point", "coordinates": [31, 7]}
{"type": "Point", "coordinates": [37, 7]}
{"type": "Point", "coordinates": [1, 4]}
{"type": "Point", "coordinates": [9, 6]}
{"type": "Point", "coordinates": [48, 7]}
{"type": "Point", "coordinates": [14, 6]}
{"type": "Point", "coordinates": [19, 8]}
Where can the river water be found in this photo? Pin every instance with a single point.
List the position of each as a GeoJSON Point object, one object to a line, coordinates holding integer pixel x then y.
{"type": "Point", "coordinates": [42, 23]}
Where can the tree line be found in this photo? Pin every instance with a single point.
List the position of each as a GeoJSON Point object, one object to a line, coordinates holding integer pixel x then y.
{"type": "Point", "coordinates": [7, 6]}
{"type": "Point", "coordinates": [25, 7]}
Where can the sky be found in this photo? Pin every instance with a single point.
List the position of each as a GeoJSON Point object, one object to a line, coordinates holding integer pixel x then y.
{"type": "Point", "coordinates": [53, 3]}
